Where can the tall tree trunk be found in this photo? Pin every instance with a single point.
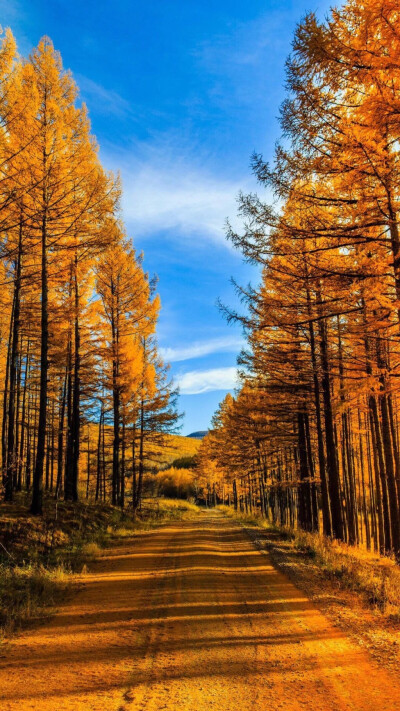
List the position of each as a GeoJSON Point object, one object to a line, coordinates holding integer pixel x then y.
{"type": "Point", "coordinates": [88, 464]}
{"type": "Point", "coordinates": [305, 517]}
{"type": "Point", "coordinates": [332, 466]}
{"type": "Point", "coordinates": [99, 468]}
{"type": "Point", "coordinates": [138, 497]}
{"type": "Point", "coordinates": [387, 449]}
{"type": "Point", "coordinates": [391, 481]}
{"type": "Point", "coordinates": [37, 492]}
{"type": "Point", "coordinates": [73, 442]}
{"type": "Point", "coordinates": [23, 416]}
{"type": "Point", "coordinates": [395, 445]}
{"type": "Point", "coordinates": [313, 496]}
{"type": "Point", "coordinates": [18, 425]}
{"type": "Point", "coordinates": [381, 487]}
{"type": "Point", "coordinates": [5, 399]}
{"type": "Point", "coordinates": [116, 406]}
{"type": "Point", "coordinates": [123, 446]}
{"type": "Point", "coordinates": [52, 440]}
{"type": "Point", "coordinates": [326, 508]}
{"type": "Point", "coordinates": [134, 472]}
{"type": "Point", "coordinates": [60, 442]}
{"type": "Point", "coordinates": [11, 459]}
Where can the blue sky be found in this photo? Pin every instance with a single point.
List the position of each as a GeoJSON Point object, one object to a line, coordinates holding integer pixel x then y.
{"type": "Point", "coordinates": [180, 93]}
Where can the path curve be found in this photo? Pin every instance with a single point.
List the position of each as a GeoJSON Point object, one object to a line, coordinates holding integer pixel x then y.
{"type": "Point", "coordinates": [190, 617]}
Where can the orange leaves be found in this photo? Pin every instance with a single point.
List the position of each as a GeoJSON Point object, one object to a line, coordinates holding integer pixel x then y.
{"type": "Point", "coordinates": [323, 327]}
{"type": "Point", "coordinates": [128, 314]}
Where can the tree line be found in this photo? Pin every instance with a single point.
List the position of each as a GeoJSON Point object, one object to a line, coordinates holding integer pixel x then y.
{"type": "Point", "coordinates": [84, 387]}
{"type": "Point", "coordinates": [311, 438]}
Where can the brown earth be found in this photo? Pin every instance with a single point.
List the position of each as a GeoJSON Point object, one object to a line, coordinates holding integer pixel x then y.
{"type": "Point", "coordinates": [191, 616]}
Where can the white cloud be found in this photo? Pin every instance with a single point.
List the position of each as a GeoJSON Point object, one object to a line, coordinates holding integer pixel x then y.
{"type": "Point", "coordinates": [180, 198]}
{"type": "Point", "coordinates": [228, 344]}
{"type": "Point", "coordinates": [174, 188]}
{"type": "Point", "coordinates": [202, 381]}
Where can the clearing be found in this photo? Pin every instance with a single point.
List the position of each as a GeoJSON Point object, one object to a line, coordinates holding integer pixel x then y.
{"type": "Point", "coordinates": [190, 616]}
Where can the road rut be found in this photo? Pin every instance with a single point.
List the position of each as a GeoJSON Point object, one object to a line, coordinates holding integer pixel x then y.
{"type": "Point", "coordinates": [190, 616]}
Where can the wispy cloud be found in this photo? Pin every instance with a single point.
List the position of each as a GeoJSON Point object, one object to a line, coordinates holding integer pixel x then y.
{"type": "Point", "coordinates": [228, 344]}
{"type": "Point", "coordinates": [102, 100]}
{"type": "Point", "coordinates": [178, 198]}
{"type": "Point", "coordinates": [167, 188]}
{"type": "Point", "coordinates": [202, 381]}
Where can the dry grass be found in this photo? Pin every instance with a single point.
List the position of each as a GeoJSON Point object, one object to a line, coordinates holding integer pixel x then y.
{"type": "Point", "coordinates": [249, 519]}
{"type": "Point", "coordinates": [376, 577]}
{"type": "Point", "coordinates": [39, 554]}
{"type": "Point", "coordinates": [91, 550]}
{"type": "Point", "coordinates": [177, 506]}
{"type": "Point", "coordinates": [158, 511]}
{"type": "Point", "coordinates": [25, 591]}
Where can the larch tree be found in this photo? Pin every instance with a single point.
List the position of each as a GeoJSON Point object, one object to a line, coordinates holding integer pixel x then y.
{"type": "Point", "coordinates": [323, 327]}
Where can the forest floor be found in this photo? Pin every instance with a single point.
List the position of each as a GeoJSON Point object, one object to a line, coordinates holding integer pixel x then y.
{"type": "Point", "coordinates": [191, 615]}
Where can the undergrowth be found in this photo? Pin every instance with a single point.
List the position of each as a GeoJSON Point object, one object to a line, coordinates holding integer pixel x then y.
{"type": "Point", "coordinates": [25, 591]}
{"type": "Point", "coordinates": [376, 577]}
{"type": "Point", "coordinates": [155, 512]}
{"type": "Point", "coordinates": [249, 519]}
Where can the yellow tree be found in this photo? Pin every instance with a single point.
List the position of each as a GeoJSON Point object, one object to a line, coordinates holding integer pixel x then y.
{"type": "Point", "coordinates": [127, 310]}
{"type": "Point", "coordinates": [66, 194]}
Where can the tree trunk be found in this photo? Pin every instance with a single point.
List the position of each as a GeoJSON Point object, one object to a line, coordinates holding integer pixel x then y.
{"type": "Point", "coordinates": [333, 472]}
{"type": "Point", "coordinates": [37, 493]}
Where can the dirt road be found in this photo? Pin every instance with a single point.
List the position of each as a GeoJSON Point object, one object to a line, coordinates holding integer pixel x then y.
{"type": "Point", "coordinates": [190, 617]}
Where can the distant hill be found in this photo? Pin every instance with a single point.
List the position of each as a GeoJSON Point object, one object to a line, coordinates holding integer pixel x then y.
{"type": "Point", "coordinates": [198, 435]}
{"type": "Point", "coordinates": [157, 455]}
{"type": "Point", "coordinates": [175, 447]}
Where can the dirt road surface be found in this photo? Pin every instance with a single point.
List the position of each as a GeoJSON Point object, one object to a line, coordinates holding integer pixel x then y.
{"type": "Point", "coordinates": [190, 617]}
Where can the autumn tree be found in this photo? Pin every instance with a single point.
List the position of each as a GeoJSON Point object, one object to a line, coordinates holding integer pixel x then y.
{"type": "Point", "coordinates": [323, 328]}
{"type": "Point", "coordinates": [77, 306]}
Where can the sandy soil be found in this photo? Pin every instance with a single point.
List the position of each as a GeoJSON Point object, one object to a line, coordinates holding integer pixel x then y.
{"type": "Point", "coordinates": [191, 616]}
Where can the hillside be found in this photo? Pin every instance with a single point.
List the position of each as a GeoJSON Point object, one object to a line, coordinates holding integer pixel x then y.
{"type": "Point", "coordinates": [176, 447]}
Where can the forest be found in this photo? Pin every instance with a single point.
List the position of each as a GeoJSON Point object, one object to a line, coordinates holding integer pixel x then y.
{"type": "Point", "coordinates": [86, 395]}
{"type": "Point", "coordinates": [254, 564]}
{"type": "Point", "coordinates": [311, 439]}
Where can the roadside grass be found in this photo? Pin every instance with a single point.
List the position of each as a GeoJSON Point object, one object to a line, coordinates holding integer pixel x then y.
{"type": "Point", "coordinates": [39, 555]}
{"type": "Point", "coordinates": [157, 511]}
{"type": "Point", "coordinates": [249, 519]}
{"type": "Point", "coordinates": [376, 578]}
{"type": "Point", "coordinates": [25, 591]}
